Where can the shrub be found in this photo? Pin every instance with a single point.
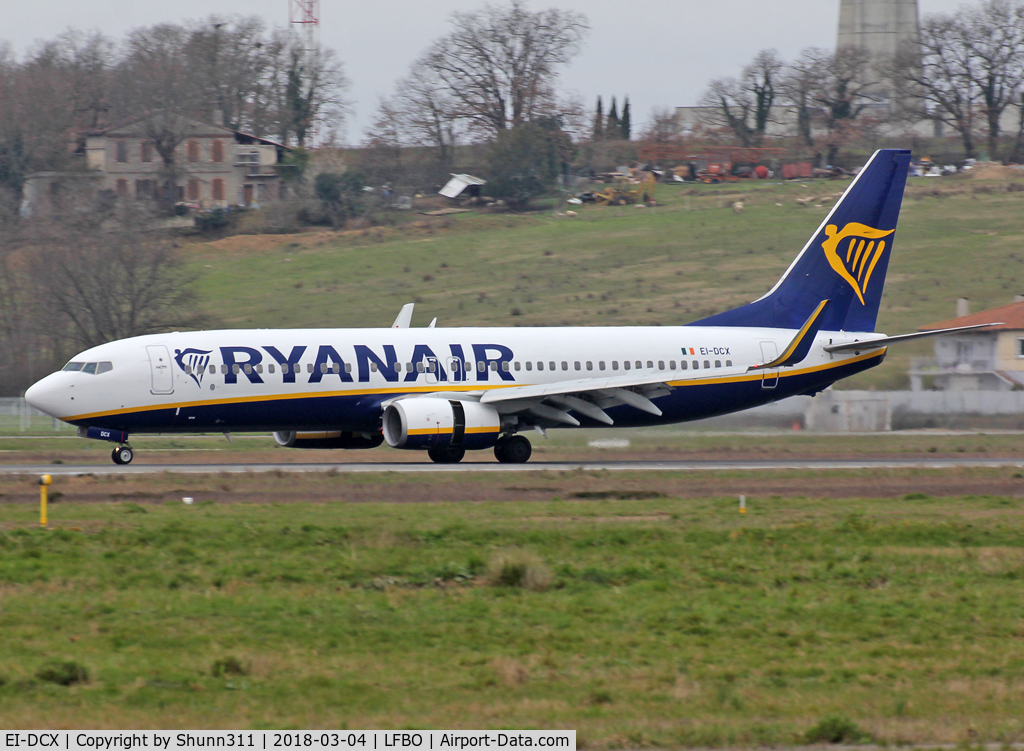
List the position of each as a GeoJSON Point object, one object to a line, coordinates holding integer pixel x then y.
{"type": "Point", "coordinates": [227, 666]}
{"type": "Point", "coordinates": [63, 673]}
{"type": "Point", "coordinates": [519, 569]}
{"type": "Point", "coordinates": [835, 729]}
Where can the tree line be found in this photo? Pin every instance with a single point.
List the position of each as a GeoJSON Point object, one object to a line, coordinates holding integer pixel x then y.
{"type": "Point", "coordinates": [252, 78]}
{"type": "Point", "coordinates": [965, 71]}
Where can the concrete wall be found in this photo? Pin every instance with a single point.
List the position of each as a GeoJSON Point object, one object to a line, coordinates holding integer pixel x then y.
{"type": "Point", "coordinates": [878, 26]}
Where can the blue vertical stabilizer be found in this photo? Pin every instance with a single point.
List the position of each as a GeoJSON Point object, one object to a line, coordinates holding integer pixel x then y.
{"type": "Point", "coordinates": [844, 262]}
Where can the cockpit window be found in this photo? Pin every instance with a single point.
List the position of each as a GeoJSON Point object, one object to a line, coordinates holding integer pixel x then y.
{"type": "Point", "coordinates": [92, 368]}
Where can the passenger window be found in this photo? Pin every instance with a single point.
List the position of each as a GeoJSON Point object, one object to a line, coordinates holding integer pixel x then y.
{"type": "Point", "coordinates": [565, 365]}
{"type": "Point", "coordinates": [577, 365]}
{"type": "Point", "coordinates": [551, 365]}
{"type": "Point", "coordinates": [188, 370]}
{"type": "Point", "coordinates": [696, 365]}
{"type": "Point", "coordinates": [718, 363]}
{"type": "Point", "coordinates": [672, 365]}
{"type": "Point", "coordinates": [248, 368]}
{"type": "Point", "coordinates": [323, 368]}
{"type": "Point", "coordinates": [420, 368]}
{"type": "Point", "coordinates": [284, 368]}
{"type": "Point", "coordinates": [90, 368]}
{"type": "Point", "coordinates": [518, 365]}
{"type": "Point", "coordinates": [494, 367]}
{"type": "Point", "coordinates": [615, 364]}
{"type": "Point", "coordinates": [259, 368]}
{"type": "Point", "coordinates": [682, 365]}
{"type": "Point", "coordinates": [625, 364]}
{"type": "Point", "coordinates": [73, 367]}
{"type": "Point", "coordinates": [600, 365]}
{"type": "Point", "coordinates": [235, 369]}
{"type": "Point", "coordinates": [639, 365]}
{"type": "Point", "coordinates": [213, 369]}
{"type": "Point", "coordinates": [373, 367]}
{"type": "Point", "coordinates": [270, 368]}
{"type": "Point", "coordinates": [336, 367]}
{"type": "Point", "coordinates": [431, 367]}
{"type": "Point", "coordinates": [224, 368]}
{"type": "Point", "coordinates": [309, 367]}
{"type": "Point", "coordinates": [590, 365]}
{"type": "Point", "coordinates": [540, 366]}
{"type": "Point", "coordinates": [481, 366]}
{"type": "Point", "coordinates": [707, 364]}
{"type": "Point", "coordinates": [728, 363]}
{"type": "Point", "coordinates": [529, 365]}
{"type": "Point", "coordinates": [661, 364]}
{"type": "Point", "coordinates": [504, 366]}
{"type": "Point", "coordinates": [650, 364]}
{"type": "Point", "coordinates": [408, 367]}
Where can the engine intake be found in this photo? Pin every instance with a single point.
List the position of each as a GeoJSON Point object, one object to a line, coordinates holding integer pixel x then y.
{"type": "Point", "coordinates": [334, 439]}
{"type": "Point", "coordinates": [423, 423]}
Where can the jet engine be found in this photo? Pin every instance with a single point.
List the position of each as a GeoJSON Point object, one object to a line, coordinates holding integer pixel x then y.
{"type": "Point", "coordinates": [430, 422]}
{"type": "Point", "coordinates": [334, 439]}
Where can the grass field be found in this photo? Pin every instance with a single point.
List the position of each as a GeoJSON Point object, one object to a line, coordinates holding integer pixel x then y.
{"type": "Point", "coordinates": [665, 621]}
{"type": "Point", "coordinates": [689, 257]}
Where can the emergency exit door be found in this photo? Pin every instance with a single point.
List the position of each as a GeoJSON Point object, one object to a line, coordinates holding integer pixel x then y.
{"type": "Point", "coordinates": [769, 378]}
{"type": "Point", "coordinates": [160, 369]}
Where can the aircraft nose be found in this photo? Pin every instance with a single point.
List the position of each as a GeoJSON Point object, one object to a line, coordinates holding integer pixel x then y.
{"type": "Point", "coordinates": [44, 395]}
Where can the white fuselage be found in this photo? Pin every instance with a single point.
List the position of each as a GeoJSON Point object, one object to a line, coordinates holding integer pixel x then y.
{"type": "Point", "coordinates": [322, 379]}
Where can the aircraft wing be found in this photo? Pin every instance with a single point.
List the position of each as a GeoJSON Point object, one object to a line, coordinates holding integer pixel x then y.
{"type": "Point", "coordinates": [591, 396]}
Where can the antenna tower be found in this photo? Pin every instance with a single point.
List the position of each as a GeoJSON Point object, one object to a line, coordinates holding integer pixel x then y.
{"type": "Point", "coordinates": [304, 15]}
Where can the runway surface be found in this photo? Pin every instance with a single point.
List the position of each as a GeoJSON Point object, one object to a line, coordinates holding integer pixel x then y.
{"type": "Point", "coordinates": [610, 466]}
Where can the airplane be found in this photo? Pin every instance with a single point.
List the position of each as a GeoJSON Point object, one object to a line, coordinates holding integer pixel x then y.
{"type": "Point", "coordinates": [446, 391]}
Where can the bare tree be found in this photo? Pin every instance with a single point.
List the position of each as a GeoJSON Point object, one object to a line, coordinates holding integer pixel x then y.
{"type": "Point", "coordinates": [993, 35]}
{"type": "Point", "coordinates": [500, 64]}
{"type": "Point", "coordinates": [662, 127]}
{"type": "Point", "coordinates": [846, 87]}
{"type": "Point", "coordinates": [744, 105]}
{"type": "Point", "coordinates": [937, 73]}
{"type": "Point", "coordinates": [797, 86]}
{"type": "Point", "coordinates": [111, 282]}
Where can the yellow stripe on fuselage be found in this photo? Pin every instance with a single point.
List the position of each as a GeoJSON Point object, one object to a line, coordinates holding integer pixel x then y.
{"type": "Point", "coordinates": [434, 388]}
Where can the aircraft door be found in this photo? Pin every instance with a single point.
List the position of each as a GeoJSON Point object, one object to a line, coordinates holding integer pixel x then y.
{"type": "Point", "coordinates": [160, 368]}
{"type": "Point", "coordinates": [456, 369]}
{"type": "Point", "coordinates": [769, 378]}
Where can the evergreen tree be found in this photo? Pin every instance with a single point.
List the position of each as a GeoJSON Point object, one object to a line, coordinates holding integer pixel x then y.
{"type": "Point", "coordinates": [612, 130]}
{"type": "Point", "coordinates": [625, 124]}
{"type": "Point", "coordinates": [599, 121]}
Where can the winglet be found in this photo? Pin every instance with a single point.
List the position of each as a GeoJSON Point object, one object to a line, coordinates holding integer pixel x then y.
{"type": "Point", "coordinates": [404, 316]}
{"type": "Point", "coordinates": [801, 344]}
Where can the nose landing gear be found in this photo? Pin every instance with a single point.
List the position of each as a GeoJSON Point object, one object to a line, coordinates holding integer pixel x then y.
{"type": "Point", "coordinates": [122, 455]}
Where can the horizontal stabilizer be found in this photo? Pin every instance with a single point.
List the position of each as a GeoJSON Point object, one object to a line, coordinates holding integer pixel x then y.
{"type": "Point", "coordinates": [885, 341]}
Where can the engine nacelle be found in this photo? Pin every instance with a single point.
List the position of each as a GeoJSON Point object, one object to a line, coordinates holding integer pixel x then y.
{"type": "Point", "coordinates": [423, 423]}
{"type": "Point", "coordinates": [334, 439]}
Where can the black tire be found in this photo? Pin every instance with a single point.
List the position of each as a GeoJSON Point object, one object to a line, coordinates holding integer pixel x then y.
{"type": "Point", "coordinates": [115, 455]}
{"type": "Point", "coordinates": [518, 450]}
{"type": "Point", "coordinates": [501, 450]}
{"type": "Point", "coordinates": [446, 454]}
{"type": "Point", "coordinates": [125, 455]}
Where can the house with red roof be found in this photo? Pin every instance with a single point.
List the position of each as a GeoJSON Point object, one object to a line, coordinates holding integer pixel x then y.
{"type": "Point", "coordinates": [989, 359]}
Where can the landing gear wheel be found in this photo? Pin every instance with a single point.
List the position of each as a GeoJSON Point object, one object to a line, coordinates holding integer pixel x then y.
{"type": "Point", "coordinates": [517, 451]}
{"type": "Point", "coordinates": [501, 450]}
{"type": "Point", "coordinates": [122, 455]}
{"type": "Point", "coordinates": [446, 454]}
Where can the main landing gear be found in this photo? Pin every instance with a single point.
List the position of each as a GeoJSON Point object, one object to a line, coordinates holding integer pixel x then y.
{"type": "Point", "coordinates": [446, 454]}
{"type": "Point", "coordinates": [513, 450]}
{"type": "Point", "coordinates": [122, 454]}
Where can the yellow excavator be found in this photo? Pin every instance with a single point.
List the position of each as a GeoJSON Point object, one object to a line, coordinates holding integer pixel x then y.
{"type": "Point", "coordinates": [625, 192]}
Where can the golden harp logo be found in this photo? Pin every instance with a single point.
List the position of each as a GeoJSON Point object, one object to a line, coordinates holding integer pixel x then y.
{"type": "Point", "coordinates": [855, 260]}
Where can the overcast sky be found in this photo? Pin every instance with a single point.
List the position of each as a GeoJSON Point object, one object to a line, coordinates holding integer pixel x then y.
{"type": "Point", "coordinates": [659, 52]}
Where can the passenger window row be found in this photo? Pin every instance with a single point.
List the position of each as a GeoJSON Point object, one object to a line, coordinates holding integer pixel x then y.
{"type": "Point", "coordinates": [430, 367]}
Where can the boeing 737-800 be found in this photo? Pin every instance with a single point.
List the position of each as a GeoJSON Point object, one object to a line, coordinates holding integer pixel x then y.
{"type": "Point", "coordinates": [449, 390]}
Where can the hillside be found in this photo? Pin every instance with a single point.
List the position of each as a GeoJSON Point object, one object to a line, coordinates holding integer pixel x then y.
{"type": "Point", "coordinates": [687, 258]}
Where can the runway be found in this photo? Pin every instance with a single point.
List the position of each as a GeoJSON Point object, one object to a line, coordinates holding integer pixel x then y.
{"type": "Point", "coordinates": [490, 467]}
